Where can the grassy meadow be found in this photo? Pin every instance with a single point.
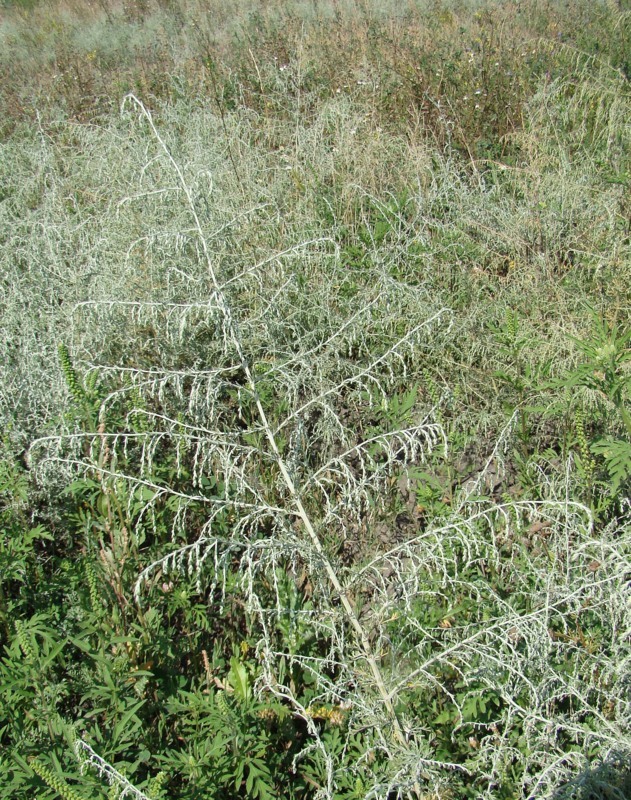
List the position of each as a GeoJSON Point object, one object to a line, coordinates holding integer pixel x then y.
{"type": "Point", "coordinates": [315, 421]}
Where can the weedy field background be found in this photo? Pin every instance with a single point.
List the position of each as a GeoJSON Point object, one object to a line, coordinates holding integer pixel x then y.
{"type": "Point", "coordinates": [314, 384]}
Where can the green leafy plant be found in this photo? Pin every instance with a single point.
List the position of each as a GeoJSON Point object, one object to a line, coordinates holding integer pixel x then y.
{"type": "Point", "coordinates": [604, 370]}
{"type": "Point", "coordinates": [54, 781]}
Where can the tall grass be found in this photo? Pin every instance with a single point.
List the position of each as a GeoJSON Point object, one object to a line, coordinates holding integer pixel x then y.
{"type": "Point", "coordinates": [312, 345]}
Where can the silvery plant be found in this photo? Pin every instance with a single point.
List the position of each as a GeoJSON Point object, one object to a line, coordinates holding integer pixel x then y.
{"type": "Point", "coordinates": [269, 377]}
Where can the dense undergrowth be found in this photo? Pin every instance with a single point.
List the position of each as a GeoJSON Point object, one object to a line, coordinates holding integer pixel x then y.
{"type": "Point", "coordinates": [314, 384]}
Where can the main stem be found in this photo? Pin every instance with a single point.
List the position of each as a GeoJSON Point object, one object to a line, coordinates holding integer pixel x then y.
{"type": "Point", "coordinates": [331, 574]}
{"type": "Point", "coordinates": [300, 509]}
